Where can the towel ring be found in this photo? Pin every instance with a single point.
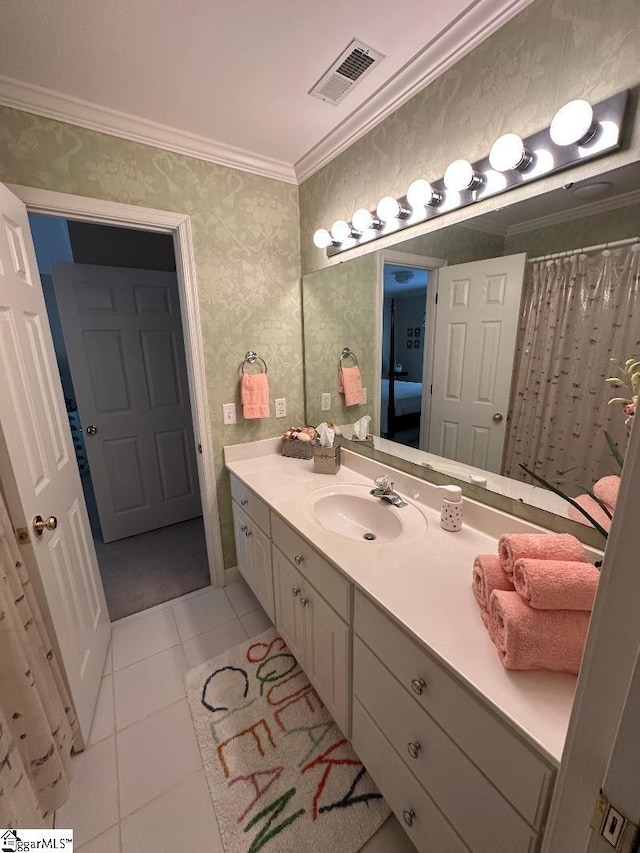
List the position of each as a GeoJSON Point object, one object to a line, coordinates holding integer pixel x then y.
{"type": "Point", "coordinates": [252, 357]}
{"type": "Point", "coordinates": [346, 353]}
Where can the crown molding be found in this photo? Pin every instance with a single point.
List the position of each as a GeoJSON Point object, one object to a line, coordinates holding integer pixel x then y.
{"type": "Point", "coordinates": [462, 35]}
{"type": "Point", "coordinates": [44, 102]}
{"type": "Point", "coordinates": [589, 209]}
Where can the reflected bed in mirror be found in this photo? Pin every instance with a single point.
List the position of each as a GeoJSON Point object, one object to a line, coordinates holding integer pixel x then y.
{"type": "Point", "coordinates": [487, 389]}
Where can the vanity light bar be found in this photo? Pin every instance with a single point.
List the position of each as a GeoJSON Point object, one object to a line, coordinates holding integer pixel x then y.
{"type": "Point", "coordinates": [579, 132]}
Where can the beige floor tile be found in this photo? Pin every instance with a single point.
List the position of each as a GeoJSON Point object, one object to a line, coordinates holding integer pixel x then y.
{"type": "Point", "coordinates": [241, 597]}
{"type": "Point", "coordinates": [93, 806]}
{"type": "Point", "coordinates": [213, 643]}
{"type": "Point", "coordinates": [256, 622]}
{"type": "Point", "coordinates": [202, 613]}
{"type": "Point", "coordinates": [148, 686]}
{"type": "Point", "coordinates": [108, 842]}
{"type": "Point", "coordinates": [180, 819]}
{"type": "Point", "coordinates": [143, 636]}
{"type": "Point", "coordinates": [156, 754]}
{"type": "Point", "coordinates": [103, 724]}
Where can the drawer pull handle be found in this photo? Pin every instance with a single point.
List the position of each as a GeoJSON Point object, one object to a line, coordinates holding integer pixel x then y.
{"type": "Point", "coordinates": [413, 748]}
{"type": "Point", "coordinates": [244, 502]}
{"type": "Point", "coordinates": [408, 815]}
{"type": "Point", "coordinates": [248, 532]}
{"type": "Point", "coordinates": [418, 685]}
{"type": "Point", "coordinates": [295, 591]}
{"type": "Point", "coordinates": [244, 528]}
{"type": "Point", "coordinates": [304, 602]}
{"type": "Point", "coordinates": [298, 559]}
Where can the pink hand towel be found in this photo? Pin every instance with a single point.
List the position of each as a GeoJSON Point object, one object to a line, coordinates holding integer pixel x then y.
{"type": "Point", "coordinates": [350, 384]}
{"type": "Point", "coordinates": [254, 393]}
{"type": "Point", "coordinates": [488, 575]}
{"type": "Point", "coordinates": [595, 511]}
{"type": "Point", "coordinates": [607, 490]}
{"type": "Point", "coordinates": [541, 546]}
{"type": "Point", "coordinates": [537, 639]}
{"type": "Point", "coordinates": [556, 584]}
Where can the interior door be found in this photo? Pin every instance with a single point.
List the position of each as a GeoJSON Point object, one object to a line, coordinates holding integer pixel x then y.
{"type": "Point", "coordinates": [475, 338]}
{"type": "Point", "coordinates": [38, 467]}
{"type": "Point", "coordinates": [123, 334]}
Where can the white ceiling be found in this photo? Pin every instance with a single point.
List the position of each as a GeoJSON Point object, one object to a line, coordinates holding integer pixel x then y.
{"type": "Point", "coordinates": [227, 80]}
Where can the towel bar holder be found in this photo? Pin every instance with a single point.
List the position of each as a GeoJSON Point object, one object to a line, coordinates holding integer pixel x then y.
{"type": "Point", "coordinates": [346, 353]}
{"type": "Point", "coordinates": [252, 357]}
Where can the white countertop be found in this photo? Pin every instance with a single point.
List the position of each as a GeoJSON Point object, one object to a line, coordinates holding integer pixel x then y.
{"type": "Point", "coordinates": [424, 584]}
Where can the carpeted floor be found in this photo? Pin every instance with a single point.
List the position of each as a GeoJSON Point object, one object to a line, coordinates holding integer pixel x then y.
{"type": "Point", "coordinates": [282, 776]}
{"type": "Point", "coordinates": [141, 571]}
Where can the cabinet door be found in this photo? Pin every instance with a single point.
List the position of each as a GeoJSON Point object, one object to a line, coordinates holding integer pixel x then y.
{"type": "Point", "coordinates": [290, 616]}
{"type": "Point", "coordinates": [240, 527]}
{"type": "Point", "coordinates": [328, 654]}
{"type": "Point", "coordinates": [259, 548]}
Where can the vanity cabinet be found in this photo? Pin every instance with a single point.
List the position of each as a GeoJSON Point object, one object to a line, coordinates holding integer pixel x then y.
{"type": "Point", "coordinates": [253, 544]}
{"type": "Point", "coordinates": [312, 625]}
{"type": "Point", "coordinates": [476, 771]}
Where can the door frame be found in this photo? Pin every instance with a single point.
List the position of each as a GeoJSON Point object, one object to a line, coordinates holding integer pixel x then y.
{"type": "Point", "coordinates": [178, 225]}
{"type": "Point", "coordinates": [422, 262]}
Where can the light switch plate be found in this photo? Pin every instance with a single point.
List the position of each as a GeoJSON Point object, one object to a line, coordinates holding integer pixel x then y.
{"type": "Point", "coordinates": [229, 413]}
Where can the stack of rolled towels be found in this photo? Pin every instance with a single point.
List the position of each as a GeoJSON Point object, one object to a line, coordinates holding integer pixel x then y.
{"type": "Point", "coordinates": [606, 490]}
{"type": "Point", "coordinates": [536, 599]}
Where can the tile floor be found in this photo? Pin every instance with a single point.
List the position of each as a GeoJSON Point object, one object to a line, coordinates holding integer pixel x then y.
{"type": "Point", "coordinates": [139, 787]}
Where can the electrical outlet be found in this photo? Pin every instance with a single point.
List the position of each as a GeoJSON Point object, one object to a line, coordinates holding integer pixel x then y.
{"type": "Point", "coordinates": [229, 413]}
{"type": "Point", "coordinates": [281, 407]}
{"type": "Point", "coordinates": [326, 402]}
{"type": "Point", "coordinates": [364, 396]}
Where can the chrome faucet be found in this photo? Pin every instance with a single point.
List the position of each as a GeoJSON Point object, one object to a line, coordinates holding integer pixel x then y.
{"type": "Point", "coordinates": [384, 491]}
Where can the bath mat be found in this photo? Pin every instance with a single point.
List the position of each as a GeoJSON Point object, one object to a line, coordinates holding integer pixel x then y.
{"type": "Point", "coordinates": [282, 776]}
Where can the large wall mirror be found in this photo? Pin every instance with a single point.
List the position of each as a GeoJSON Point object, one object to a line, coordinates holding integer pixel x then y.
{"type": "Point", "coordinates": [507, 365]}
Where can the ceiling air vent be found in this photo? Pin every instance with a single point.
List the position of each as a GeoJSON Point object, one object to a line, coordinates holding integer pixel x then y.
{"type": "Point", "coordinates": [349, 68]}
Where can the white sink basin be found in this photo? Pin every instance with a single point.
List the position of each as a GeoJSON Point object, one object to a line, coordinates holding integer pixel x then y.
{"type": "Point", "coordinates": [351, 511]}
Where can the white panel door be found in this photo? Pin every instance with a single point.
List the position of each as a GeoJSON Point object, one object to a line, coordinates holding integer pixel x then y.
{"type": "Point", "coordinates": [476, 327]}
{"type": "Point", "coordinates": [38, 467]}
{"type": "Point", "coordinates": [123, 334]}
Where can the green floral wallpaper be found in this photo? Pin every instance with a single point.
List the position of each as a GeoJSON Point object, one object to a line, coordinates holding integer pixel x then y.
{"type": "Point", "coordinates": [553, 51]}
{"type": "Point", "coordinates": [246, 245]}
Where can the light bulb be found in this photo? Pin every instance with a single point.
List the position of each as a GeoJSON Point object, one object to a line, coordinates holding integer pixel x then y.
{"type": "Point", "coordinates": [341, 230]}
{"type": "Point", "coordinates": [460, 176]}
{"type": "Point", "coordinates": [421, 194]}
{"type": "Point", "coordinates": [322, 239]}
{"type": "Point", "coordinates": [389, 208]}
{"type": "Point", "coordinates": [363, 219]}
{"type": "Point", "coordinates": [508, 152]}
{"type": "Point", "coordinates": [573, 124]}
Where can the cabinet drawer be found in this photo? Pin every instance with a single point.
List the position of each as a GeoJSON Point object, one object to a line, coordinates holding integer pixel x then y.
{"type": "Point", "coordinates": [524, 777]}
{"type": "Point", "coordinates": [327, 580]}
{"type": "Point", "coordinates": [430, 831]}
{"type": "Point", "coordinates": [252, 505]}
{"type": "Point", "coordinates": [484, 819]}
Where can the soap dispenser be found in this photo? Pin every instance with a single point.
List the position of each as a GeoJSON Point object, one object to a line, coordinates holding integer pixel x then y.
{"type": "Point", "coordinates": [451, 512]}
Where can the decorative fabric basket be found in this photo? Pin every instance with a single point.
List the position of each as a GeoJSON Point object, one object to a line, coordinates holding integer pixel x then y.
{"type": "Point", "coordinates": [326, 460]}
{"type": "Point", "coordinates": [297, 449]}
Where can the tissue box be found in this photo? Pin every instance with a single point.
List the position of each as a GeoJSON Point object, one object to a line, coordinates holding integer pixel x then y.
{"type": "Point", "coordinates": [368, 441]}
{"type": "Point", "coordinates": [326, 460]}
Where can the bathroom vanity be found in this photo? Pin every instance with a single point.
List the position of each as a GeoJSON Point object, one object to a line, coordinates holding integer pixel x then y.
{"type": "Point", "coordinates": [390, 635]}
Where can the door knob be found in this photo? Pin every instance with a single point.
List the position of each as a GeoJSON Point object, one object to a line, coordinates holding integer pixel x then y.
{"type": "Point", "coordinates": [498, 417]}
{"type": "Point", "coordinates": [418, 685]}
{"type": "Point", "coordinates": [298, 559]}
{"type": "Point", "coordinates": [39, 524]}
{"type": "Point", "coordinates": [92, 430]}
{"type": "Point", "coordinates": [408, 815]}
{"type": "Point", "coordinates": [413, 748]}
{"type": "Point", "coordinates": [296, 591]}
{"type": "Point", "coordinates": [304, 602]}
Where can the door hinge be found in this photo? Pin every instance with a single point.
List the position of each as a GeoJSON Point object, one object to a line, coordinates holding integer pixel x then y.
{"type": "Point", "coordinates": [22, 535]}
{"type": "Point", "coordinates": [199, 448]}
{"type": "Point", "coordinates": [431, 389]}
{"type": "Point", "coordinates": [436, 297]}
{"type": "Point", "coordinates": [609, 822]}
